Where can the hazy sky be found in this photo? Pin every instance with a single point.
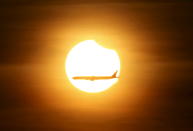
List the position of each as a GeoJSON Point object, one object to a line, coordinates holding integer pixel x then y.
{"type": "Point", "coordinates": [153, 39]}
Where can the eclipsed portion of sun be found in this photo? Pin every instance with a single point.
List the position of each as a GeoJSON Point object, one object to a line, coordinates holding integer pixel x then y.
{"type": "Point", "coordinates": [89, 59]}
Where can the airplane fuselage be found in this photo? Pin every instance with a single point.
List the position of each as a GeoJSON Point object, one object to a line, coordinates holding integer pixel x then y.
{"type": "Point", "coordinates": [93, 77]}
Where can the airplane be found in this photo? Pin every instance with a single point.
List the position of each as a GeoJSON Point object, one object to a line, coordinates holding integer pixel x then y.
{"type": "Point", "coordinates": [92, 78]}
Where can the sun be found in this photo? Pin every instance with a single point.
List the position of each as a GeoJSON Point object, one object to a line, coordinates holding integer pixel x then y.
{"type": "Point", "coordinates": [88, 58]}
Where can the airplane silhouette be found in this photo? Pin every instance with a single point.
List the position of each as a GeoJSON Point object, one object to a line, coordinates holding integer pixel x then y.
{"type": "Point", "coordinates": [92, 78]}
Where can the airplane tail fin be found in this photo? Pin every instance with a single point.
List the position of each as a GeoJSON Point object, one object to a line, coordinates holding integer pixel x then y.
{"type": "Point", "coordinates": [115, 74]}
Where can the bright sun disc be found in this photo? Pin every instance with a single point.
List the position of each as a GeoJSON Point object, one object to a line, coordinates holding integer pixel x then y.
{"type": "Point", "coordinates": [88, 58]}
